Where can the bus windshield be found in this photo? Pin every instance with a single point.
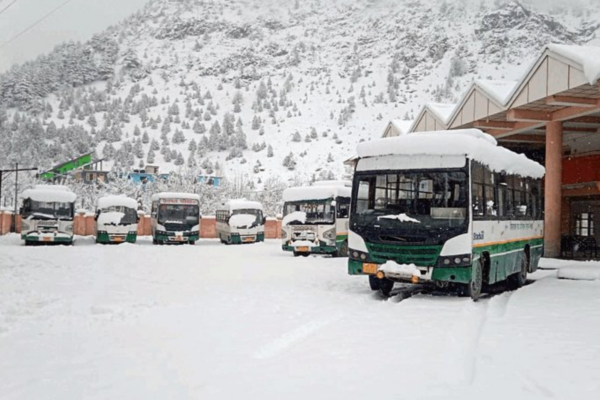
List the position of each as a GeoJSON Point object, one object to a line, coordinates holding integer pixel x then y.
{"type": "Point", "coordinates": [258, 214]}
{"type": "Point", "coordinates": [129, 215]}
{"type": "Point", "coordinates": [407, 200]}
{"type": "Point", "coordinates": [47, 210]}
{"type": "Point", "coordinates": [178, 214]}
{"type": "Point", "coordinates": [317, 212]}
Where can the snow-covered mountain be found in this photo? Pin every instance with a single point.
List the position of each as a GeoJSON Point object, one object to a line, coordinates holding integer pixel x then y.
{"type": "Point", "coordinates": [263, 88]}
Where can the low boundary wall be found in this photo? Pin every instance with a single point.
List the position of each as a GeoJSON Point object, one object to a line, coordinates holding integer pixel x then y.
{"type": "Point", "coordinates": [84, 225]}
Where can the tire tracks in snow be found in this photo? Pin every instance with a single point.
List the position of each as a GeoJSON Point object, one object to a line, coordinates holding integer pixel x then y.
{"type": "Point", "coordinates": [461, 350]}
{"type": "Point", "coordinates": [291, 338]}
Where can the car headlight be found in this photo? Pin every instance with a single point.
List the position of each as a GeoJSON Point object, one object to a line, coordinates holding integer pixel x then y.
{"type": "Point", "coordinates": [461, 260]}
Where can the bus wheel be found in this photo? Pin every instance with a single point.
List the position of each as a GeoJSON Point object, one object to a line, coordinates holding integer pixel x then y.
{"type": "Point", "coordinates": [473, 288]}
{"type": "Point", "coordinates": [385, 287]}
{"type": "Point", "coordinates": [28, 243]}
{"type": "Point", "coordinates": [192, 242]}
{"type": "Point", "coordinates": [374, 282]}
{"type": "Point", "coordinates": [296, 254]}
{"type": "Point", "coordinates": [518, 280]}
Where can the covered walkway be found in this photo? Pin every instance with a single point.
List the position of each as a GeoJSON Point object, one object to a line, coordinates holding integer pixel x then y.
{"type": "Point", "coordinates": [553, 116]}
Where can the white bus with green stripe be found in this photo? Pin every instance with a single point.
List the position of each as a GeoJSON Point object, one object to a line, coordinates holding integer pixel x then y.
{"type": "Point", "coordinates": [240, 221]}
{"type": "Point", "coordinates": [47, 215]}
{"type": "Point", "coordinates": [316, 219]}
{"type": "Point", "coordinates": [452, 208]}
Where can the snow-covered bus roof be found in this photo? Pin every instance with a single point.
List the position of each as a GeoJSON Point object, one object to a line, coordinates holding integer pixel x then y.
{"type": "Point", "coordinates": [169, 195]}
{"type": "Point", "coordinates": [306, 193]}
{"type": "Point", "coordinates": [469, 143]}
{"type": "Point", "coordinates": [50, 194]}
{"type": "Point", "coordinates": [117, 201]}
{"type": "Point", "coordinates": [332, 183]}
{"type": "Point", "coordinates": [242, 204]}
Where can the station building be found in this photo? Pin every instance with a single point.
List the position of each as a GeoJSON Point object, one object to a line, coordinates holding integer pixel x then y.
{"type": "Point", "coordinates": [552, 115]}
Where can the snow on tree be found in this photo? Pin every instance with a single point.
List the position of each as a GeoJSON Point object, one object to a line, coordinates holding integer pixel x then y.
{"type": "Point", "coordinates": [270, 151]}
{"type": "Point", "coordinates": [296, 137]}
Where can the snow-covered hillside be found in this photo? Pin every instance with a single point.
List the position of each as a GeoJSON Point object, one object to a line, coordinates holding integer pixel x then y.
{"type": "Point", "coordinates": [261, 88]}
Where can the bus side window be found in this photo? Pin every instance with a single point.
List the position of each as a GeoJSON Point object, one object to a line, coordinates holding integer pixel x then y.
{"type": "Point", "coordinates": [343, 207]}
{"type": "Point", "coordinates": [477, 200]}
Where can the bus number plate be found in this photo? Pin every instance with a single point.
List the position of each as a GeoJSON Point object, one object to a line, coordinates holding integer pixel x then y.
{"type": "Point", "coordinates": [248, 239]}
{"type": "Point", "coordinates": [370, 268]}
{"type": "Point", "coordinates": [47, 239]}
{"type": "Point", "coordinates": [302, 249]}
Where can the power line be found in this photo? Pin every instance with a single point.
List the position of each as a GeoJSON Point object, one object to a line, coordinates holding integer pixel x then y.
{"type": "Point", "coordinates": [55, 9]}
{"type": "Point", "coordinates": [7, 7]}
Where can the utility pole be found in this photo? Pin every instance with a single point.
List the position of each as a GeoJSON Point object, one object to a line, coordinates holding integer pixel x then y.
{"type": "Point", "coordinates": [16, 171]}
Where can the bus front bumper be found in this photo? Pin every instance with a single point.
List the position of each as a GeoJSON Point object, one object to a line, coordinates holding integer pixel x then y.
{"type": "Point", "coordinates": [105, 237]}
{"type": "Point", "coordinates": [320, 249]}
{"type": "Point", "coordinates": [445, 274]}
{"type": "Point", "coordinates": [172, 237]}
{"type": "Point", "coordinates": [41, 237]}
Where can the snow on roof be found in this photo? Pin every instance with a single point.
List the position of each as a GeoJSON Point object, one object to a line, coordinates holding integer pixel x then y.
{"type": "Point", "coordinates": [50, 193]}
{"type": "Point", "coordinates": [442, 111]}
{"type": "Point", "coordinates": [169, 195]}
{"type": "Point", "coordinates": [501, 91]}
{"type": "Point", "coordinates": [305, 193]}
{"type": "Point", "coordinates": [471, 143]}
{"type": "Point", "coordinates": [402, 126]}
{"type": "Point", "coordinates": [586, 56]}
{"type": "Point", "coordinates": [333, 183]}
{"type": "Point", "coordinates": [243, 204]}
{"type": "Point", "coordinates": [111, 201]}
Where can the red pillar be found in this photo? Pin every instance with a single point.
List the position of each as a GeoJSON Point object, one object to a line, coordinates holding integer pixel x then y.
{"type": "Point", "coordinates": [553, 189]}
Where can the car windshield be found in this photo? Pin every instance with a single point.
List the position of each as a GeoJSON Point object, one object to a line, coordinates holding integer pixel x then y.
{"type": "Point", "coordinates": [178, 214]}
{"type": "Point", "coordinates": [129, 215]}
{"type": "Point", "coordinates": [412, 200]}
{"type": "Point", "coordinates": [317, 212]}
{"type": "Point", "coordinates": [47, 210]}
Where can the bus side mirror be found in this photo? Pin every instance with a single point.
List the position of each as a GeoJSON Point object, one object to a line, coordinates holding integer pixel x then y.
{"type": "Point", "coordinates": [264, 220]}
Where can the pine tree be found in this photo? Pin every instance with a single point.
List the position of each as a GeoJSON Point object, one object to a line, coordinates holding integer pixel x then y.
{"type": "Point", "coordinates": [296, 137]}
{"type": "Point", "coordinates": [270, 151]}
{"type": "Point", "coordinates": [145, 138]}
{"type": "Point", "coordinates": [136, 131]}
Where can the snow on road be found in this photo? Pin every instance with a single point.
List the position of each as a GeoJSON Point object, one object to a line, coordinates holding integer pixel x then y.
{"type": "Point", "coordinates": [220, 322]}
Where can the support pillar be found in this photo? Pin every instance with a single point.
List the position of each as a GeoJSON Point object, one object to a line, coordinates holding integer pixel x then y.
{"type": "Point", "coordinates": [553, 189]}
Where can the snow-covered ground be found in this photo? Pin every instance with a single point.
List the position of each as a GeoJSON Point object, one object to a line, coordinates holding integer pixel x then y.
{"type": "Point", "coordinates": [251, 322]}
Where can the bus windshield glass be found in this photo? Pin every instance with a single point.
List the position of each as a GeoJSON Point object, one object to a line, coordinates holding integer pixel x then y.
{"type": "Point", "coordinates": [258, 214]}
{"type": "Point", "coordinates": [412, 200]}
{"type": "Point", "coordinates": [186, 214]}
{"type": "Point", "coordinates": [47, 210]}
{"type": "Point", "coordinates": [317, 212]}
{"type": "Point", "coordinates": [129, 214]}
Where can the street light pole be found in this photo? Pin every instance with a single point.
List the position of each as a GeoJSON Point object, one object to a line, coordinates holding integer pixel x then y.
{"type": "Point", "coordinates": [16, 171]}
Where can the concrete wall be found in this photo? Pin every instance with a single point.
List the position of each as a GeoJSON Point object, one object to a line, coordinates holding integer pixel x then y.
{"type": "Point", "coordinates": [84, 225]}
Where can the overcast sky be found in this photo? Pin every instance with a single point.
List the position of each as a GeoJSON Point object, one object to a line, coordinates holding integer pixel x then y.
{"type": "Point", "coordinates": [77, 20]}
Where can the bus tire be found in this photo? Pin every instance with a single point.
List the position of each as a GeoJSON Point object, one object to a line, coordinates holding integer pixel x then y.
{"type": "Point", "coordinates": [296, 254]}
{"type": "Point", "coordinates": [28, 243]}
{"type": "Point", "coordinates": [192, 242]}
{"type": "Point", "coordinates": [519, 279]}
{"type": "Point", "coordinates": [385, 287]}
{"type": "Point", "coordinates": [473, 288]}
{"type": "Point", "coordinates": [374, 282]}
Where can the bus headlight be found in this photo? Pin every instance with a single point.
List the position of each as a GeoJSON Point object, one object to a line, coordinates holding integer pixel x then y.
{"type": "Point", "coordinates": [24, 226]}
{"type": "Point", "coordinates": [359, 255]}
{"type": "Point", "coordinates": [69, 228]}
{"type": "Point", "coordinates": [462, 260]}
{"type": "Point", "coordinates": [330, 234]}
